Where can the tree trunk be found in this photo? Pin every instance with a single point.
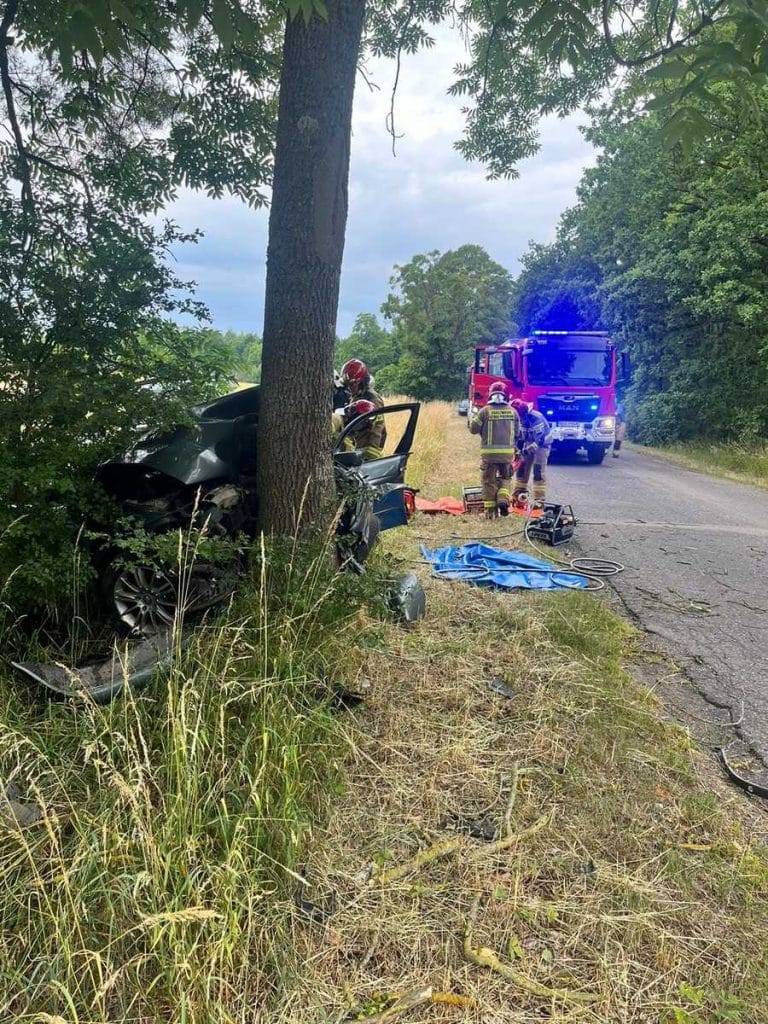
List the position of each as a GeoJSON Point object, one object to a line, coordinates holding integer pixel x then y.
{"type": "Point", "coordinates": [306, 244]}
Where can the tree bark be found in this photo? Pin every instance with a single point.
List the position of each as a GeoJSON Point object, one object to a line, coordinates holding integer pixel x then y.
{"type": "Point", "coordinates": [306, 243]}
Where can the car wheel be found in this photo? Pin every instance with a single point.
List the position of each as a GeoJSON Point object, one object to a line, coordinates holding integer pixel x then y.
{"type": "Point", "coordinates": [595, 454]}
{"type": "Point", "coordinates": [145, 600]}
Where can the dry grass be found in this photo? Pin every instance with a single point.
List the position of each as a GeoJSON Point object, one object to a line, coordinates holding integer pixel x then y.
{"type": "Point", "coordinates": [629, 882]}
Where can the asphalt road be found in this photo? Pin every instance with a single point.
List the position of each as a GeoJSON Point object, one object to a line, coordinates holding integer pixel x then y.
{"type": "Point", "coordinates": [696, 555]}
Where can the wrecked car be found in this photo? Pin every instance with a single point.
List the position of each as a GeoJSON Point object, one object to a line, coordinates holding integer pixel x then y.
{"type": "Point", "coordinates": [204, 474]}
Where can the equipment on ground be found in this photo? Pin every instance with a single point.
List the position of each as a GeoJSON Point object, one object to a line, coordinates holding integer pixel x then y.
{"type": "Point", "coordinates": [472, 498]}
{"type": "Point", "coordinates": [554, 526]}
{"type": "Point", "coordinates": [568, 376]}
{"type": "Point", "coordinates": [487, 566]}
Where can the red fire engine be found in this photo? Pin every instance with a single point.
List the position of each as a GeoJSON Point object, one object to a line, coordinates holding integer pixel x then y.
{"type": "Point", "coordinates": [569, 376]}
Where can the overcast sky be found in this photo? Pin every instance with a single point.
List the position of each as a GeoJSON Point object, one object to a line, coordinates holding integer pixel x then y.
{"type": "Point", "coordinates": [426, 197]}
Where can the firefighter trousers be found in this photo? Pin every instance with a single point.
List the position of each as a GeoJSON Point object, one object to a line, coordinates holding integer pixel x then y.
{"type": "Point", "coordinates": [496, 476]}
{"type": "Point", "coordinates": [621, 431]}
{"type": "Point", "coordinates": [536, 461]}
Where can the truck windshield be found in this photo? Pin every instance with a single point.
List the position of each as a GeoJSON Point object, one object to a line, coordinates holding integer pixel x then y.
{"type": "Point", "coordinates": [552, 364]}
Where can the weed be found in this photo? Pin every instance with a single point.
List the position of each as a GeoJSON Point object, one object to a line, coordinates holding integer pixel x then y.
{"type": "Point", "coordinates": [158, 883]}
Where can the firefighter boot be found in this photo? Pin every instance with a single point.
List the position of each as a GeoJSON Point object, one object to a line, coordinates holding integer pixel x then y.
{"type": "Point", "coordinates": [616, 449]}
{"type": "Point", "coordinates": [490, 513]}
{"type": "Point", "coordinates": [503, 495]}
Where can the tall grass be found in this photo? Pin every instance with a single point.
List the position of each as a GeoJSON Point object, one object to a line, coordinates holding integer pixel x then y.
{"type": "Point", "coordinates": [429, 446]}
{"type": "Point", "coordinates": [158, 883]}
{"type": "Point", "coordinates": [747, 464]}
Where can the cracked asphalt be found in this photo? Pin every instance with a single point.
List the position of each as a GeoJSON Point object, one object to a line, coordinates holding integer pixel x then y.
{"type": "Point", "coordinates": [696, 554]}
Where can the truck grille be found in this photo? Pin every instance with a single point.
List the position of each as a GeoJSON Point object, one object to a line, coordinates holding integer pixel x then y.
{"type": "Point", "coordinates": [576, 410]}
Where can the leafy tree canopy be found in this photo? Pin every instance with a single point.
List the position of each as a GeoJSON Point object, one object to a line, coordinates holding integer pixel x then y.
{"type": "Point", "coordinates": [368, 341]}
{"type": "Point", "coordinates": [441, 306]}
{"type": "Point", "coordinates": [672, 246]}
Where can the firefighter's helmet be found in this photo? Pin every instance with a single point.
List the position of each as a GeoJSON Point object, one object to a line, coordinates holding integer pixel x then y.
{"type": "Point", "coordinates": [497, 393]}
{"type": "Point", "coordinates": [358, 408]}
{"type": "Point", "coordinates": [520, 406]}
{"type": "Point", "coordinates": [354, 372]}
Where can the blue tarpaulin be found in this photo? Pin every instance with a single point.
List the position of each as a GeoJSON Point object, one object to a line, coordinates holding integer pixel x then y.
{"type": "Point", "coordinates": [493, 567]}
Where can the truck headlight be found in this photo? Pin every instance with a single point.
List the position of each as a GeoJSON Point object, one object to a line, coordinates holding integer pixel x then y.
{"type": "Point", "coordinates": [605, 422]}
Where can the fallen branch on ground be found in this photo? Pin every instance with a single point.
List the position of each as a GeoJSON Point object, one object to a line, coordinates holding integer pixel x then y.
{"type": "Point", "coordinates": [510, 840]}
{"type": "Point", "coordinates": [428, 856]}
{"type": "Point", "coordinates": [481, 956]}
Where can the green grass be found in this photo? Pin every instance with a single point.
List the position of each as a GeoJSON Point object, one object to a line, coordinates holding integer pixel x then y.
{"type": "Point", "coordinates": [731, 461]}
{"type": "Point", "coordinates": [158, 884]}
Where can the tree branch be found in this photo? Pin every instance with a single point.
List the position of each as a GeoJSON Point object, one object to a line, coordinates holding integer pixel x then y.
{"type": "Point", "coordinates": [27, 197]}
{"type": "Point", "coordinates": [706, 21]}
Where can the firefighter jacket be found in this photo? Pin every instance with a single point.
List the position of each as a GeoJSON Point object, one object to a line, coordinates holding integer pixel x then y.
{"type": "Point", "coordinates": [498, 427]}
{"type": "Point", "coordinates": [372, 437]}
{"type": "Point", "coordinates": [534, 429]}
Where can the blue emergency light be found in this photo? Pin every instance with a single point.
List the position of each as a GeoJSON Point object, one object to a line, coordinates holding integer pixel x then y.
{"type": "Point", "coordinates": [539, 333]}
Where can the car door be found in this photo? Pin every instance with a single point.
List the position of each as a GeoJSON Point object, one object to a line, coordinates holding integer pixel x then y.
{"type": "Point", "coordinates": [386, 476]}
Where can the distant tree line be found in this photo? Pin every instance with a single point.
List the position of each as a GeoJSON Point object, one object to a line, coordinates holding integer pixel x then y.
{"type": "Point", "coordinates": [441, 305]}
{"type": "Point", "coordinates": [668, 247]}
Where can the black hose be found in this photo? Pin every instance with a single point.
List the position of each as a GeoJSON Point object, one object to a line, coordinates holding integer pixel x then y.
{"type": "Point", "coordinates": [597, 569]}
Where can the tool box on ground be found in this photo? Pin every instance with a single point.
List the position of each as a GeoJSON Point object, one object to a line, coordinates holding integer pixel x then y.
{"type": "Point", "coordinates": [554, 526]}
{"type": "Point", "coordinates": [473, 499]}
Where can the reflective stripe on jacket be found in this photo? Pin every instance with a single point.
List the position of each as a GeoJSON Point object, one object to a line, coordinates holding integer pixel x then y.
{"type": "Point", "coordinates": [498, 426]}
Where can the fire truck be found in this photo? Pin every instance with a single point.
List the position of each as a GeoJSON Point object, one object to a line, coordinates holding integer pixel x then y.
{"type": "Point", "coordinates": [569, 376]}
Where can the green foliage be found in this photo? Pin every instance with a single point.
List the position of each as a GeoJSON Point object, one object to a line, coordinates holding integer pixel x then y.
{"type": "Point", "coordinates": [370, 342]}
{"type": "Point", "coordinates": [671, 250]}
{"type": "Point", "coordinates": [245, 352]}
{"type": "Point", "coordinates": [700, 1006]}
{"type": "Point", "coordinates": [525, 57]}
{"type": "Point", "coordinates": [440, 307]}
{"type": "Point", "coordinates": [111, 108]}
{"type": "Point", "coordinates": [557, 290]}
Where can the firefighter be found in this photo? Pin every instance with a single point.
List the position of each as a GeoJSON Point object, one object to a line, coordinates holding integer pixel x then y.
{"type": "Point", "coordinates": [357, 380]}
{"type": "Point", "coordinates": [621, 430]}
{"type": "Point", "coordinates": [534, 441]}
{"type": "Point", "coordinates": [498, 426]}
{"type": "Point", "coordinates": [367, 437]}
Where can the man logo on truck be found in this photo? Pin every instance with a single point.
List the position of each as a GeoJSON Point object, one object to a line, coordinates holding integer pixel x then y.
{"type": "Point", "coordinates": [568, 376]}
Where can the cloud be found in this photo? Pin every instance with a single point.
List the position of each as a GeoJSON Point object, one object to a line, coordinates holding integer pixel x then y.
{"type": "Point", "coordinates": [424, 197]}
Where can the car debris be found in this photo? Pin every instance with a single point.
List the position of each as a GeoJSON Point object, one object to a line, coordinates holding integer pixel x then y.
{"type": "Point", "coordinates": [477, 828]}
{"type": "Point", "coordinates": [408, 598]}
{"type": "Point", "coordinates": [130, 664]}
{"type": "Point", "coordinates": [497, 685]}
{"type": "Point", "coordinates": [753, 788]}
{"type": "Point", "coordinates": [313, 911]}
{"type": "Point", "coordinates": [15, 810]}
